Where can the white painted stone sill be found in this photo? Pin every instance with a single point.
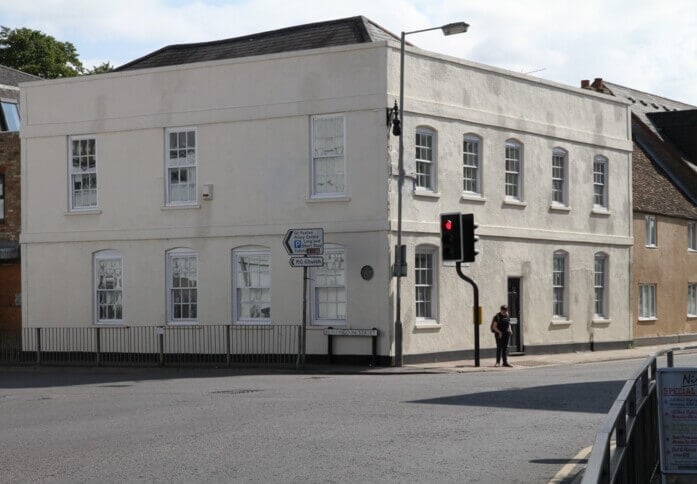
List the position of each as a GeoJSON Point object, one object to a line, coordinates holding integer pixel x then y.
{"type": "Point", "coordinates": [694, 251]}
{"type": "Point", "coordinates": [515, 203]}
{"type": "Point", "coordinates": [428, 325]}
{"type": "Point", "coordinates": [180, 207]}
{"type": "Point", "coordinates": [426, 194]}
{"type": "Point", "coordinates": [651, 246]}
{"type": "Point", "coordinates": [83, 212]}
{"type": "Point", "coordinates": [647, 320]}
{"type": "Point", "coordinates": [327, 199]}
{"type": "Point", "coordinates": [601, 212]}
{"type": "Point", "coordinates": [561, 322]}
{"type": "Point", "coordinates": [600, 321]}
{"type": "Point", "coordinates": [471, 197]}
{"type": "Point", "coordinates": [560, 208]}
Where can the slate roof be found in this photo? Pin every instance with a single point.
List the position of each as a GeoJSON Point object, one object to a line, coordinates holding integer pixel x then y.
{"type": "Point", "coordinates": [352, 30]}
{"type": "Point", "coordinates": [12, 77]}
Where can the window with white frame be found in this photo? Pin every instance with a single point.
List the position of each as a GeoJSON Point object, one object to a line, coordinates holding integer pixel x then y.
{"type": "Point", "coordinates": [600, 285]}
{"type": "Point", "coordinates": [559, 278]}
{"type": "Point", "coordinates": [329, 288]}
{"type": "Point", "coordinates": [252, 285]}
{"type": "Point", "coordinates": [425, 159]}
{"type": "Point", "coordinates": [600, 182]}
{"type": "Point", "coordinates": [425, 285]}
{"type": "Point", "coordinates": [108, 286]}
{"type": "Point", "coordinates": [83, 173]}
{"type": "Point", "coordinates": [180, 161]}
{"type": "Point", "coordinates": [471, 156]}
{"type": "Point", "coordinates": [559, 176]}
{"type": "Point", "coordinates": [692, 236]}
{"type": "Point", "coordinates": [647, 301]}
{"type": "Point", "coordinates": [2, 197]}
{"type": "Point", "coordinates": [182, 286]}
{"type": "Point", "coordinates": [514, 165]}
{"type": "Point", "coordinates": [328, 156]}
{"type": "Point", "coordinates": [692, 299]}
{"type": "Point", "coordinates": [651, 238]}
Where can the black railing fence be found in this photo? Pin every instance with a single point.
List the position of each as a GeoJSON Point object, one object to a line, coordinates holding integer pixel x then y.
{"type": "Point", "coordinates": [200, 345]}
{"type": "Point", "coordinates": [626, 448]}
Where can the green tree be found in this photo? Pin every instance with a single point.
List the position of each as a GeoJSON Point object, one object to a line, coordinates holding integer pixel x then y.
{"type": "Point", "coordinates": [34, 52]}
{"type": "Point", "coordinates": [101, 68]}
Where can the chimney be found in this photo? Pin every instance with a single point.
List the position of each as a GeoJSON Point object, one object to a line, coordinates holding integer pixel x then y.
{"type": "Point", "coordinates": [585, 84]}
{"type": "Point", "coordinates": [598, 84]}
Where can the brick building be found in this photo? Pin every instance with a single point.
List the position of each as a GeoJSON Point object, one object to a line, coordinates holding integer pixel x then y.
{"type": "Point", "coordinates": [10, 227]}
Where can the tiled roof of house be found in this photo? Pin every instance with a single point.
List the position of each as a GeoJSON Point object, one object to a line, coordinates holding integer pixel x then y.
{"type": "Point", "coordinates": [352, 30]}
{"type": "Point", "coordinates": [654, 190]}
{"type": "Point", "coordinates": [12, 77]}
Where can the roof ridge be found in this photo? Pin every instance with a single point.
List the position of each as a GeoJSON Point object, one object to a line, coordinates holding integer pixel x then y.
{"type": "Point", "coordinates": [20, 72]}
{"type": "Point", "coordinates": [607, 83]}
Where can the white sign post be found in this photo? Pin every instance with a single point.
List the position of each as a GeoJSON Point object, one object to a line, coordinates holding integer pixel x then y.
{"type": "Point", "coordinates": [305, 246]}
{"type": "Point", "coordinates": [677, 420]}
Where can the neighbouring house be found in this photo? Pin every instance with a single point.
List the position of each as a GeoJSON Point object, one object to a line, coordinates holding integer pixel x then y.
{"type": "Point", "coordinates": [10, 287]}
{"type": "Point", "coordinates": [159, 194]}
{"type": "Point", "coordinates": [664, 174]}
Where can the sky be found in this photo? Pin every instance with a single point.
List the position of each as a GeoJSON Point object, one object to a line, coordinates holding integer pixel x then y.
{"type": "Point", "coordinates": [649, 45]}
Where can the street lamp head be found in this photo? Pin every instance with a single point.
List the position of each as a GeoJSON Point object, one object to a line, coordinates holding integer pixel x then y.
{"type": "Point", "coordinates": [455, 28]}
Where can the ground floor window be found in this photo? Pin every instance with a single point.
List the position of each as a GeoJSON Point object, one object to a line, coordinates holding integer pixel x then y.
{"type": "Point", "coordinates": [647, 301]}
{"type": "Point", "coordinates": [329, 288]}
{"type": "Point", "coordinates": [692, 299]}
{"type": "Point", "coordinates": [424, 283]}
{"type": "Point", "coordinates": [252, 286]}
{"type": "Point", "coordinates": [182, 286]}
{"type": "Point", "coordinates": [108, 282]}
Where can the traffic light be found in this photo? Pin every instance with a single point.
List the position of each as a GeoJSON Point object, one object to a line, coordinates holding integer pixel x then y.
{"type": "Point", "coordinates": [469, 238]}
{"type": "Point", "coordinates": [451, 236]}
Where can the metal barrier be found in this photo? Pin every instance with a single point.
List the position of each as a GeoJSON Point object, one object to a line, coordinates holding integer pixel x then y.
{"type": "Point", "coordinates": [626, 448]}
{"type": "Point", "coordinates": [201, 345]}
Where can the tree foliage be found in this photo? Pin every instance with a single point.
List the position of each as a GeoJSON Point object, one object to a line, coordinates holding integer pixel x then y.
{"type": "Point", "coordinates": [40, 54]}
{"type": "Point", "coordinates": [101, 68]}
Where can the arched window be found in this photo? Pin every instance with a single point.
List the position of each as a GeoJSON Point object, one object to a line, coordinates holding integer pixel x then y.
{"type": "Point", "coordinates": [329, 298]}
{"type": "Point", "coordinates": [182, 286]}
{"type": "Point", "coordinates": [600, 182]}
{"type": "Point", "coordinates": [108, 287]}
{"type": "Point", "coordinates": [600, 284]}
{"type": "Point", "coordinates": [560, 177]}
{"type": "Point", "coordinates": [514, 170]}
{"type": "Point", "coordinates": [426, 158]}
{"type": "Point", "coordinates": [471, 164]}
{"type": "Point", "coordinates": [251, 285]}
{"type": "Point", "coordinates": [559, 284]}
{"type": "Point", "coordinates": [425, 283]}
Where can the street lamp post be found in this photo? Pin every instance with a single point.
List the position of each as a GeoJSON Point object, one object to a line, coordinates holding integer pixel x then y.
{"type": "Point", "coordinates": [400, 251]}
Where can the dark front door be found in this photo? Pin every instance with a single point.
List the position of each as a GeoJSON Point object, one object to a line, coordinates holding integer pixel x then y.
{"type": "Point", "coordinates": [516, 342]}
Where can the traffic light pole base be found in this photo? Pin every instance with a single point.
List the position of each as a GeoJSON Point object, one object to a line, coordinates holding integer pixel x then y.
{"type": "Point", "coordinates": [477, 312]}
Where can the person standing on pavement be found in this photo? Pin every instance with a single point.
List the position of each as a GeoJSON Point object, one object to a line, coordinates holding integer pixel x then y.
{"type": "Point", "coordinates": [501, 326]}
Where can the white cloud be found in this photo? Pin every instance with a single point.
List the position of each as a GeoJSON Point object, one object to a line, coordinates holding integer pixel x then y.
{"type": "Point", "coordinates": [643, 44]}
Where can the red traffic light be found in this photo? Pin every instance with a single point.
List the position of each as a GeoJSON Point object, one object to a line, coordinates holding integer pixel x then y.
{"type": "Point", "coordinates": [448, 224]}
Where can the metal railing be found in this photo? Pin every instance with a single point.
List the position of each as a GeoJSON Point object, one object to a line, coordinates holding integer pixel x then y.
{"type": "Point", "coordinates": [626, 448]}
{"type": "Point", "coordinates": [200, 345]}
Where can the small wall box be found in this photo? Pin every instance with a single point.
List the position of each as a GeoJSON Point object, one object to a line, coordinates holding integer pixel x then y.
{"type": "Point", "coordinates": [207, 192]}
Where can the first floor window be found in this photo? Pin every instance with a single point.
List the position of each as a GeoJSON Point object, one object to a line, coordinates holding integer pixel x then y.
{"type": "Point", "coordinates": [600, 284]}
{"type": "Point", "coordinates": [559, 284]}
{"type": "Point", "coordinates": [425, 158]}
{"type": "Point", "coordinates": [108, 284]}
{"type": "Point", "coordinates": [180, 160]}
{"type": "Point", "coordinates": [329, 287]}
{"type": "Point", "coordinates": [328, 156]}
{"type": "Point", "coordinates": [600, 182]}
{"type": "Point", "coordinates": [651, 231]}
{"type": "Point", "coordinates": [692, 236]}
{"type": "Point", "coordinates": [513, 165]}
{"type": "Point", "coordinates": [692, 299]}
{"type": "Point", "coordinates": [182, 286]}
{"type": "Point", "coordinates": [252, 285]}
{"type": "Point", "coordinates": [83, 173]}
{"type": "Point", "coordinates": [647, 301]}
{"type": "Point", "coordinates": [559, 177]}
{"type": "Point", "coordinates": [424, 284]}
{"type": "Point", "coordinates": [470, 164]}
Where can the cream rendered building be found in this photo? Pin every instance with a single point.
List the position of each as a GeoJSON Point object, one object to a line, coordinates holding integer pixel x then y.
{"type": "Point", "coordinates": [159, 194]}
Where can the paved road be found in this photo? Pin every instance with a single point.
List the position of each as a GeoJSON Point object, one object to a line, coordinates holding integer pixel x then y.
{"type": "Point", "coordinates": [516, 425]}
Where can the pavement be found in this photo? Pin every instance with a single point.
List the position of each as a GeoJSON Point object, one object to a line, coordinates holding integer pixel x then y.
{"type": "Point", "coordinates": [529, 361]}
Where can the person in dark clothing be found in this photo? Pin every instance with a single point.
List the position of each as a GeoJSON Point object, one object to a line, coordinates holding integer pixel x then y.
{"type": "Point", "coordinates": [501, 325]}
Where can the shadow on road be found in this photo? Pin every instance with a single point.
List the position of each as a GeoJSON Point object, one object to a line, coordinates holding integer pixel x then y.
{"type": "Point", "coordinates": [590, 397]}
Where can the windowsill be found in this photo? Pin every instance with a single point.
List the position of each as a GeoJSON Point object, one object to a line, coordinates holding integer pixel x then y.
{"type": "Point", "coordinates": [261, 324]}
{"type": "Point", "coordinates": [514, 203]}
{"type": "Point", "coordinates": [472, 197]}
{"type": "Point", "coordinates": [325, 324]}
{"type": "Point", "coordinates": [110, 323]}
{"type": "Point", "coordinates": [428, 325]}
{"type": "Point", "coordinates": [181, 207]}
{"type": "Point", "coordinates": [694, 251]}
{"type": "Point", "coordinates": [94, 211]}
{"type": "Point", "coordinates": [692, 317]}
{"type": "Point", "coordinates": [426, 193]}
{"type": "Point", "coordinates": [651, 246]}
{"type": "Point", "coordinates": [647, 320]}
{"type": "Point", "coordinates": [559, 208]}
{"type": "Point", "coordinates": [342, 198]}
{"type": "Point", "coordinates": [601, 211]}
{"type": "Point", "coordinates": [561, 322]}
{"type": "Point", "coordinates": [189, 324]}
{"type": "Point", "coordinates": [600, 321]}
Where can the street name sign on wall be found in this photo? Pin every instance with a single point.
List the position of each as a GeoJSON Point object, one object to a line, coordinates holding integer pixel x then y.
{"type": "Point", "coordinates": [310, 261]}
{"type": "Point", "coordinates": [677, 419]}
{"type": "Point", "coordinates": [304, 242]}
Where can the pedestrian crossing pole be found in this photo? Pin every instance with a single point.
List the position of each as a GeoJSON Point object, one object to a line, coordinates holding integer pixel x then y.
{"type": "Point", "coordinates": [477, 311]}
